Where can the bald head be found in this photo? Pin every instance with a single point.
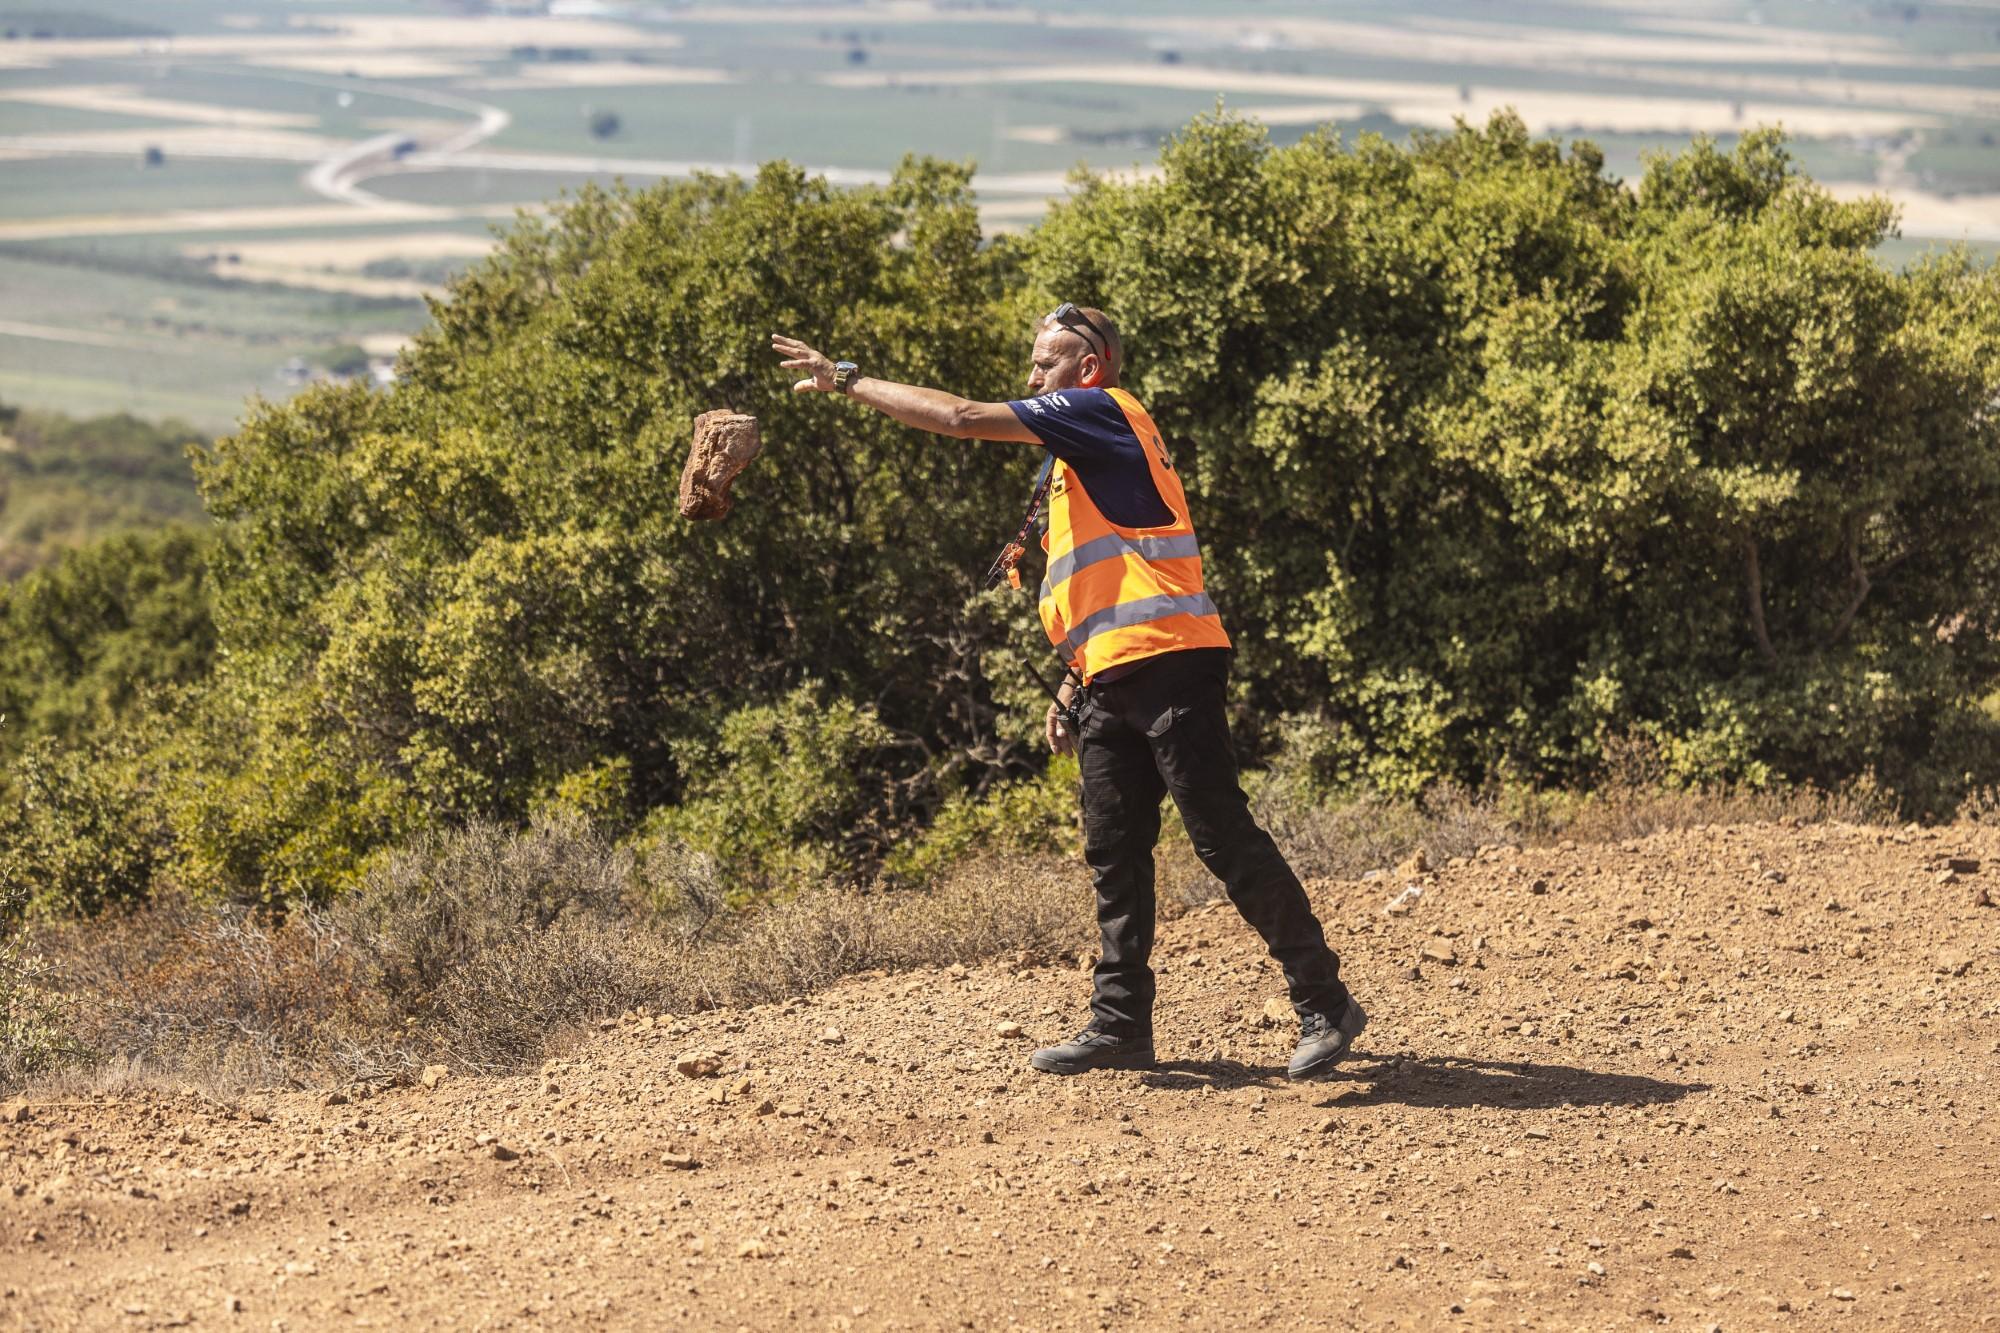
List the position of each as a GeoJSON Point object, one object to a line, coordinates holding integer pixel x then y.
{"type": "Point", "coordinates": [1083, 350]}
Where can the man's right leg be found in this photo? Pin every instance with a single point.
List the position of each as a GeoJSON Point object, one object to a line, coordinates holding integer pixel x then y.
{"type": "Point", "coordinates": [1122, 791]}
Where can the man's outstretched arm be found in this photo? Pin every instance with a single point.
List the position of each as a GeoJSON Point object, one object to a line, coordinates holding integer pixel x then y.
{"type": "Point", "coordinates": [925, 409]}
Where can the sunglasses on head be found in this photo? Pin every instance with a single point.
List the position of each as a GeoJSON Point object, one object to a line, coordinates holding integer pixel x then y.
{"type": "Point", "coordinates": [1069, 316]}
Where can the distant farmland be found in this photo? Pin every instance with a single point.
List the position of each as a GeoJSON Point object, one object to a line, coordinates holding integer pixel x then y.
{"type": "Point", "coordinates": [170, 164]}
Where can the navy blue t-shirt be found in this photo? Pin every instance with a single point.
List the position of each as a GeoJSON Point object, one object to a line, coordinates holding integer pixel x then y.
{"type": "Point", "coordinates": [1087, 429]}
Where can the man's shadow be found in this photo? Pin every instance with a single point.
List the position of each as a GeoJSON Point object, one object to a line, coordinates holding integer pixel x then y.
{"type": "Point", "coordinates": [1440, 1080]}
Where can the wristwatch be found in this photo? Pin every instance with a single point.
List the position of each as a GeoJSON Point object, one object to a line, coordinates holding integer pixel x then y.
{"type": "Point", "coordinates": [844, 375]}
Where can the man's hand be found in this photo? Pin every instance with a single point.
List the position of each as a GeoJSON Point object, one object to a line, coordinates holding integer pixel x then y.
{"type": "Point", "coordinates": [1053, 730]}
{"type": "Point", "coordinates": [798, 356]}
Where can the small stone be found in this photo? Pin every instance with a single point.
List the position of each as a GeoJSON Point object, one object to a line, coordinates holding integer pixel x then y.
{"type": "Point", "coordinates": [1540, 886]}
{"type": "Point", "coordinates": [790, 1111]}
{"type": "Point", "coordinates": [16, 1112]}
{"type": "Point", "coordinates": [1841, 1294]}
{"type": "Point", "coordinates": [831, 1037]}
{"type": "Point", "coordinates": [434, 1075]}
{"type": "Point", "coordinates": [241, 1208]}
{"type": "Point", "coordinates": [1418, 864]}
{"type": "Point", "coordinates": [753, 1249]}
{"type": "Point", "coordinates": [956, 971]}
{"type": "Point", "coordinates": [741, 1087]}
{"type": "Point", "coordinates": [502, 1153]}
{"type": "Point", "coordinates": [1324, 1125]}
{"type": "Point", "coordinates": [1594, 1268]}
{"type": "Point", "coordinates": [767, 1107]}
{"type": "Point", "coordinates": [678, 1161]}
{"type": "Point", "coordinates": [1009, 1029]}
{"type": "Point", "coordinates": [232, 1305]}
{"type": "Point", "coordinates": [1964, 865]}
{"type": "Point", "coordinates": [1278, 1013]}
{"type": "Point", "coordinates": [1439, 951]}
{"type": "Point", "coordinates": [1850, 949]}
{"type": "Point", "coordinates": [334, 1099]}
{"type": "Point", "coordinates": [1954, 964]}
{"type": "Point", "coordinates": [1774, 877]}
{"type": "Point", "coordinates": [1947, 877]}
{"type": "Point", "coordinates": [1787, 1016]}
{"type": "Point", "coordinates": [699, 1064]}
{"type": "Point", "coordinates": [1680, 1252]}
{"type": "Point", "coordinates": [1537, 1133]}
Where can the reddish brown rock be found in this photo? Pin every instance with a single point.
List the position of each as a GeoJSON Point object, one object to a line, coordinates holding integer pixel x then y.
{"type": "Point", "coordinates": [724, 444]}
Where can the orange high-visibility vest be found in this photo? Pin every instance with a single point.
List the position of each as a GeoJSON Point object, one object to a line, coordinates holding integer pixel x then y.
{"type": "Point", "coordinates": [1114, 595]}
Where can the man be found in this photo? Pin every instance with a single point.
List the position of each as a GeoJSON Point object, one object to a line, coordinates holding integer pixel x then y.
{"type": "Point", "coordinates": [1123, 602]}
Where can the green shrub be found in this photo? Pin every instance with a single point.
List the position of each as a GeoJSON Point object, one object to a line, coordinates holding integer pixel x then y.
{"type": "Point", "coordinates": [31, 1035]}
{"type": "Point", "coordinates": [1033, 815]}
{"type": "Point", "coordinates": [84, 639]}
{"type": "Point", "coordinates": [780, 798]}
{"type": "Point", "coordinates": [81, 827]}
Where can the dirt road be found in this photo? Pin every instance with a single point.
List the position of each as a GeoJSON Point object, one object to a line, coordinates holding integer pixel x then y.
{"type": "Point", "coordinates": [1736, 1077]}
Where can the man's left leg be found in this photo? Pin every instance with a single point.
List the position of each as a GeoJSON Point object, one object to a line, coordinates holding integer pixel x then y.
{"type": "Point", "coordinates": [1191, 747]}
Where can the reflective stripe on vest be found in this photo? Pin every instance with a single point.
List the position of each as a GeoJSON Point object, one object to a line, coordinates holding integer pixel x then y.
{"type": "Point", "coordinates": [1114, 595]}
{"type": "Point", "coordinates": [1099, 549]}
{"type": "Point", "coordinates": [1126, 614]}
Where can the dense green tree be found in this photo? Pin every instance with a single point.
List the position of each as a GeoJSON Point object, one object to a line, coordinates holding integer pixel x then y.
{"type": "Point", "coordinates": [480, 582]}
{"type": "Point", "coordinates": [83, 640]}
{"type": "Point", "coordinates": [1498, 461]}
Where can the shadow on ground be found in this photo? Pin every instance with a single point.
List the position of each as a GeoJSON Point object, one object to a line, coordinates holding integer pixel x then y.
{"type": "Point", "coordinates": [1441, 1080]}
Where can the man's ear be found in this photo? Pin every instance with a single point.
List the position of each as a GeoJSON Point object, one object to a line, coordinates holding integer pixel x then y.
{"type": "Point", "coordinates": [1091, 370]}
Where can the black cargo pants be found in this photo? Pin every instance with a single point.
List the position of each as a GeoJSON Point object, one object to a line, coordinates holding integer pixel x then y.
{"type": "Point", "coordinates": [1160, 731]}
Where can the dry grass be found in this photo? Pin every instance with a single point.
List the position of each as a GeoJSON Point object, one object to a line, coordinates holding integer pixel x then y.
{"type": "Point", "coordinates": [490, 949]}
{"type": "Point", "coordinates": [218, 996]}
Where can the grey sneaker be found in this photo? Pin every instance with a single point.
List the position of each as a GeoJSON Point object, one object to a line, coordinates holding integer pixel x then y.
{"type": "Point", "coordinates": [1324, 1042]}
{"type": "Point", "coordinates": [1095, 1049]}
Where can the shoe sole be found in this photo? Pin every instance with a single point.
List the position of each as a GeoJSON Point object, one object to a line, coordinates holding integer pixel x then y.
{"type": "Point", "coordinates": [1134, 1060]}
{"type": "Point", "coordinates": [1326, 1062]}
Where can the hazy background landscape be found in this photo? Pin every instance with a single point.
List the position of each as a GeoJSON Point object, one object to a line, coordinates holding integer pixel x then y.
{"type": "Point", "coordinates": [208, 199]}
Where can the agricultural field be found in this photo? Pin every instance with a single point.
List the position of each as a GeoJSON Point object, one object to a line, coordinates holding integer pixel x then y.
{"type": "Point", "coordinates": [201, 200]}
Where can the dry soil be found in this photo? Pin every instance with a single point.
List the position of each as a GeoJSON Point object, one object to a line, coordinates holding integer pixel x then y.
{"type": "Point", "coordinates": [1725, 1076]}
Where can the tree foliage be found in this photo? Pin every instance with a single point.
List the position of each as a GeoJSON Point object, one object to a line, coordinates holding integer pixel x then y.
{"type": "Point", "coordinates": [1498, 461]}
{"type": "Point", "coordinates": [1500, 464]}
{"type": "Point", "coordinates": [84, 639]}
{"type": "Point", "coordinates": [479, 583]}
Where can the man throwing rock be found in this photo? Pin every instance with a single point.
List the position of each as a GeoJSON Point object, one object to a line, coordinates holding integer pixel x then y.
{"type": "Point", "coordinates": [1122, 601]}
